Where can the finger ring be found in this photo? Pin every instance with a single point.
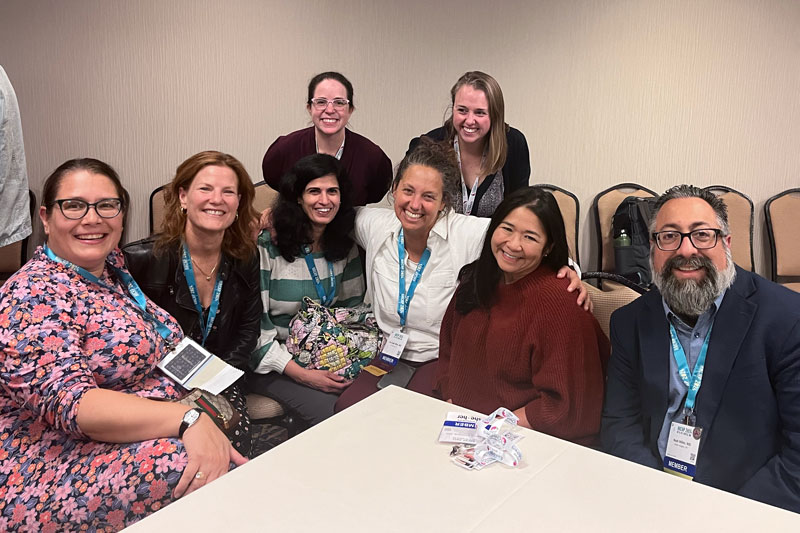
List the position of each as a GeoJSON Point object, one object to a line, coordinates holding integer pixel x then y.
{"type": "Point", "coordinates": [199, 475]}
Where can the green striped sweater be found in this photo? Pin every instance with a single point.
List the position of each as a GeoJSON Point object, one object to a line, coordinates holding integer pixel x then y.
{"type": "Point", "coordinates": [283, 286]}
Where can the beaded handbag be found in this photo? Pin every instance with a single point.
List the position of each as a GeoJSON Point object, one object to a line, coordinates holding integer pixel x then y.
{"type": "Point", "coordinates": [342, 340]}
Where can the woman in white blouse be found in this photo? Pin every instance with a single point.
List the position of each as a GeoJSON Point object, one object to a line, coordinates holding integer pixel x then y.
{"type": "Point", "coordinates": [423, 234]}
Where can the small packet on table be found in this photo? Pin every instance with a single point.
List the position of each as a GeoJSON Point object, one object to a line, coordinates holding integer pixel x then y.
{"type": "Point", "coordinates": [482, 441]}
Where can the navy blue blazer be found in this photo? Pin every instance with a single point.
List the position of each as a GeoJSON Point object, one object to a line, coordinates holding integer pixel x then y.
{"type": "Point", "coordinates": [749, 401]}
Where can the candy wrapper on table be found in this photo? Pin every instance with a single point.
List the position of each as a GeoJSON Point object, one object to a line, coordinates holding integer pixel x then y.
{"type": "Point", "coordinates": [482, 441]}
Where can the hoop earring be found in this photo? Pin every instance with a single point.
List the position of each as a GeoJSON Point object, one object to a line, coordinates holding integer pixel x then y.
{"type": "Point", "coordinates": [237, 216]}
{"type": "Point", "coordinates": [183, 210]}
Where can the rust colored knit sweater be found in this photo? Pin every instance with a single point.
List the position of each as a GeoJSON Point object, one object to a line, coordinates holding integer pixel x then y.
{"type": "Point", "coordinates": [534, 348]}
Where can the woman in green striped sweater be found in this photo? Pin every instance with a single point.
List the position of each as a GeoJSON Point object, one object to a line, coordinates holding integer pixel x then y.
{"type": "Point", "coordinates": [310, 253]}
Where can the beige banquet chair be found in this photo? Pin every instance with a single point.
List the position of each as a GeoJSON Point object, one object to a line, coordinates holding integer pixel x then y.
{"type": "Point", "coordinates": [265, 195]}
{"type": "Point", "coordinates": [605, 302]}
{"type": "Point", "coordinates": [604, 206]}
{"type": "Point", "coordinates": [157, 208]}
{"type": "Point", "coordinates": [740, 220]}
{"type": "Point", "coordinates": [782, 213]}
{"type": "Point", "coordinates": [570, 209]}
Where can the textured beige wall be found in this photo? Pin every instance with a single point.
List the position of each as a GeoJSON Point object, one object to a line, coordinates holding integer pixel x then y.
{"type": "Point", "coordinates": [656, 92]}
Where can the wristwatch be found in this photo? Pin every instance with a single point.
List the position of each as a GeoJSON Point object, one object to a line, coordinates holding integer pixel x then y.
{"type": "Point", "coordinates": [191, 416]}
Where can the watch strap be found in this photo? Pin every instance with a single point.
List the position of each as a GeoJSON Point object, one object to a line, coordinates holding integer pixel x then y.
{"type": "Point", "coordinates": [187, 424]}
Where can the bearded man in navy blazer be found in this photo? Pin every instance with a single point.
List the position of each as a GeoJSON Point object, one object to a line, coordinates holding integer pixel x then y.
{"type": "Point", "coordinates": [746, 411]}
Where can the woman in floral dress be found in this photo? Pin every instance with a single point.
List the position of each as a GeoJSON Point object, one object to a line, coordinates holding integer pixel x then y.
{"type": "Point", "coordinates": [85, 443]}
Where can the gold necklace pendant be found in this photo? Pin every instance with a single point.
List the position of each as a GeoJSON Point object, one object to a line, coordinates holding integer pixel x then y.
{"type": "Point", "coordinates": [203, 272]}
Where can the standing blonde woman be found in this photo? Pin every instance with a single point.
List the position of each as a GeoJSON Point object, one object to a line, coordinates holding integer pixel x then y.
{"type": "Point", "coordinates": [493, 157]}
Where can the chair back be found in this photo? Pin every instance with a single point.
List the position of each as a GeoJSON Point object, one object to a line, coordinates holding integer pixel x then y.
{"type": "Point", "coordinates": [14, 255]}
{"type": "Point", "coordinates": [570, 209]}
{"type": "Point", "coordinates": [782, 213]}
{"type": "Point", "coordinates": [619, 291]}
{"type": "Point", "coordinates": [264, 197]}
{"type": "Point", "coordinates": [740, 220]}
{"type": "Point", "coordinates": [606, 302]}
{"type": "Point", "coordinates": [604, 206]}
{"type": "Point", "coordinates": [157, 208]}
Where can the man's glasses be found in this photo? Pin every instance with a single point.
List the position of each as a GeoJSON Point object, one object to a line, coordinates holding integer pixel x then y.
{"type": "Point", "coordinates": [74, 209]}
{"type": "Point", "coordinates": [702, 239]}
{"type": "Point", "coordinates": [322, 103]}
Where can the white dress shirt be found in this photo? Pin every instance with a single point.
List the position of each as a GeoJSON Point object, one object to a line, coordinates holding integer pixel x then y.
{"type": "Point", "coordinates": [454, 241]}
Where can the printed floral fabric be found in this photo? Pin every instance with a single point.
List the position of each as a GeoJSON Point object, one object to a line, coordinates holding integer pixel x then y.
{"type": "Point", "coordinates": [60, 336]}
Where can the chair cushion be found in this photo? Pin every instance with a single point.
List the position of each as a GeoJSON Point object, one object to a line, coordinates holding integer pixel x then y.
{"type": "Point", "coordinates": [260, 407]}
{"type": "Point", "coordinates": [606, 302]}
{"type": "Point", "coordinates": [794, 286]}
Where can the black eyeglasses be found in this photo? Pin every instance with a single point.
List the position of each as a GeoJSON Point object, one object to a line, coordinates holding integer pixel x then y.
{"type": "Point", "coordinates": [322, 103]}
{"type": "Point", "coordinates": [75, 209]}
{"type": "Point", "coordinates": [702, 239]}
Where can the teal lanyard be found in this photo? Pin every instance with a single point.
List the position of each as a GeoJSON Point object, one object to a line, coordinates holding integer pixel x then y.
{"type": "Point", "coordinates": [691, 380]}
{"type": "Point", "coordinates": [188, 272]}
{"type": "Point", "coordinates": [403, 297]}
{"type": "Point", "coordinates": [325, 299]}
{"type": "Point", "coordinates": [134, 292]}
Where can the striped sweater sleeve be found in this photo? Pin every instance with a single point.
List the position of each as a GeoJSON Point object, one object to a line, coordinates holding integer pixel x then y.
{"type": "Point", "coordinates": [270, 355]}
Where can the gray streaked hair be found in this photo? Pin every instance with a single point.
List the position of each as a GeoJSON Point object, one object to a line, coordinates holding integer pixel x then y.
{"type": "Point", "coordinates": [691, 191]}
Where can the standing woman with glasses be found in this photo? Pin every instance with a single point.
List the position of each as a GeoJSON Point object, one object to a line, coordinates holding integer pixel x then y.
{"type": "Point", "coordinates": [202, 267]}
{"type": "Point", "coordinates": [330, 104]}
{"type": "Point", "coordinates": [493, 157]}
{"type": "Point", "coordinates": [87, 439]}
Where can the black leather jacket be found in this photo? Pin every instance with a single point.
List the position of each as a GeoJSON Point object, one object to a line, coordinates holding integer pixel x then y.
{"type": "Point", "coordinates": [236, 328]}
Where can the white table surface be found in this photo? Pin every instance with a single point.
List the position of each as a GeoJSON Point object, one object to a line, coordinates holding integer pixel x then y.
{"type": "Point", "coordinates": [377, 466]}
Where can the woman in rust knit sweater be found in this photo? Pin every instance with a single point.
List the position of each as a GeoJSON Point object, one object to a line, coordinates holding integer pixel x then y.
{"type": "Point", "coordinates": [513, 337]}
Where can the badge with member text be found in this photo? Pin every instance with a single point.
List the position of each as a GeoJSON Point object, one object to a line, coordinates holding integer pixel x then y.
{"type": "Point", "coordinates": [390, 354]}
{"type": "Point", "coordinates": [683, 444]}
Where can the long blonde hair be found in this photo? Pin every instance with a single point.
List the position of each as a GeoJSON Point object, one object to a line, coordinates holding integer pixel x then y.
{"type": "Point", "coordinates": [498, 144]}
{"type": "Point", "coordinates": [237, 242]}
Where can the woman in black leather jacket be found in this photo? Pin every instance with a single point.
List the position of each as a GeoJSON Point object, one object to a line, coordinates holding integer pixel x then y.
{"type": "Point", "coordinates": [207, 222]}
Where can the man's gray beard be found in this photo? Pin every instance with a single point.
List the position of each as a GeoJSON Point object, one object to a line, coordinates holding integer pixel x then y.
{"type": "Point", "coordinates": [689, 297]}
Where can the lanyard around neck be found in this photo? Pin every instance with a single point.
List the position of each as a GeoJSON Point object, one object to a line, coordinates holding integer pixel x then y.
{"type": "Point", "coordinates": [403, 296]}
{"type": "Point", "coordinates": [339, 152]}
{"type": "Point", "coordinates": [468, 200]}
{"type": "Point", "coordinates": [135, 294]}
{"type": "Point", "coordinates": [188, 273]}
{"type": "Point", "coordinates": [325, 299]}
{"type": "Point", "coordinates": [694, 379]}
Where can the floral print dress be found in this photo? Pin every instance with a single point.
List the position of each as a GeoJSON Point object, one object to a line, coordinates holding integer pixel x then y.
{"type": "Point", "coordinates": [60, 336]}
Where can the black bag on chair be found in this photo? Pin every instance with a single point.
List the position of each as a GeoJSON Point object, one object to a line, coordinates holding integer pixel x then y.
{"type": "Point", "coordinates": [632, 256]}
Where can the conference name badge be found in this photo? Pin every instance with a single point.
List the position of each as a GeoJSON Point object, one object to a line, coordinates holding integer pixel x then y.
{"type": "Point", "coordinates": [387, 359]}
{"type": "Point", "coordinates": [683, 445]}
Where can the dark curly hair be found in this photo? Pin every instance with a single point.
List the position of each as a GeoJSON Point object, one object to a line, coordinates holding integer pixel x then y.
{"type": "Point", "coordinates": [439, 156]}
{"type": "Point", "coordinates": [479, 279]}
{"type": "Point", "coordinates": [291, 224]}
